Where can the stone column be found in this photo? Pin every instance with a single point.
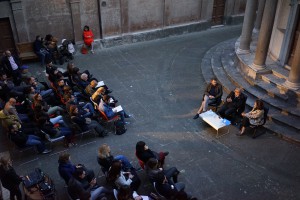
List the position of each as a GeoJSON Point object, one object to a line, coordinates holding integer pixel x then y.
{"type": "Point", "coordinates": [248, 25]}
{"type": "Point", "coordinates": [17, 10]}
{"type": "Point", "coordinates": [259, 15]}
{"type": "Point", "coordinates": [293, 81]}
{"type": "Point", "coordinates": [264, 35]}
{"type": "Point", "coordinates": [76, 20]}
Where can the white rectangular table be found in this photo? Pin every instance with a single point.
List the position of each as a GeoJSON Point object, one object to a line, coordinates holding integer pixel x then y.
{"type": "Point", "coordinates": [215, 121]}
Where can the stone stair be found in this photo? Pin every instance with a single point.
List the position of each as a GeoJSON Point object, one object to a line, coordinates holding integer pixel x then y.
{"type": "Point", "coordinates": [284, 115]}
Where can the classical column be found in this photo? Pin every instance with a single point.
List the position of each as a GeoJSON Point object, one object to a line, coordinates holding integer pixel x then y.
{"type": "Point", "coordinates": [17, 10]}
{"type": "Point", "coordinates": [248, 25]}
{"type": "Point", "coordinates": [293, 81]}
{"type": "Point", "coordinates": [259, 15]}
{"type": "Point", "coordinates": [76, 20]}
{"type": "Point", "coordinates": [264, 35]}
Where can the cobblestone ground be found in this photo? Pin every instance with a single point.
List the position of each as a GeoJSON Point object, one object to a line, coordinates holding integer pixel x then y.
{"type": "Point", "coordinates": [161, 84]}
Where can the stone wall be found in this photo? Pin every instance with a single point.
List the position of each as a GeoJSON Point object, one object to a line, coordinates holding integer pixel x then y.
{"type": "Point", "coordinates": [108, 18]}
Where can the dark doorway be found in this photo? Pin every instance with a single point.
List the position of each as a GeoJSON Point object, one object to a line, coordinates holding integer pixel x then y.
{"type": "Point", "coordinates": [218, 12]}
{"type": "Point", "coordinates": [295, 39]}
{"type": "Point", "coordinates": [6, 36]}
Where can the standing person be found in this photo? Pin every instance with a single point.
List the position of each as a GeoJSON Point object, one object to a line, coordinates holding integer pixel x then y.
{"type": "Point", "coordinates": [9, 178]}
{"type": "Point", "coordinates": [11, 65]}
{"type": "Point", "coordinates": [41, 50]}
{"type": "Point", "coordinates": [88, 38]}
{"type": "Point", "coordinates": [213, 94]}
{"type": "Point", "coordinates": [254, 117]}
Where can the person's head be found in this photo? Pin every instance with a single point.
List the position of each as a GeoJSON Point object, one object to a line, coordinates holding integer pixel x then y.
{"type": "Point", "coordinates": [37, 97]}
{"type": "Point", "coordinates": [152, 163]}
{"type": "Point", "coordinates": [125, 193]}
{"type": "Point", "coordinates": [8, 53]}
{"type": "Point", "coordinates": [79, 172]}
{"type": "Point", "coordinates": [70, 67]}
{"type": "Point", "coordinates": [259, 104]}
{"type": "Point", "coordinates": [141, 146]}
{"type": "Point", "coordinates": [49, 63]}
{"type": "Point", "coordinates": [106, 98]}
{"type": "Point", "coordinates": [13, 128]}
{"type": "Point", "coordinates": [93, 83]}
{"type": "Point", "coordinates": [64, 157]}
{"type": "Point", "coordinates": [5, 162]}
{"type": "Point", "coordinates": [3, 76]}
{"type": "Point", "coordinates": [104, 151]}
{"type": "Point", "coordinates": [12, 101]}
{"type": "Point", "coordinates": [32, 81]}
{"type": "Point", "coordinates": [61, 82]}
{"type": "Point", "coordinates": [115, 170]}
{"type": "Point", "coordinates": [38, 37]}
{"type": "Point", "coordinates": [161, 178]}
{"type": "Point", "coordinates": [86, 28]}
{"type": "Point", "coordinates": [237, 92]}
{"type": "Point", "coordinates": [73, 110]}
{"type": "Point", "coordinates": [213, 81]}
{"type": "Point", "coordinates": [67, 89]}
{"type": "Point", "coordinates": [84, 77]}
{"type": "Point", "coordinates": [49, 37]}
{"type": "Point", "coordinates": [76, 70]}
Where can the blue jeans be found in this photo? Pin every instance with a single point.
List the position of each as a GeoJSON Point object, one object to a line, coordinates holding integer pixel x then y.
{"type": "Point", "coordinates": [90, 107]}
{"type": "Point", "coordinates": [98, 192]}
{"type": "Point", "coordinates": [64, 131]}
{"type": "Point", "coordinates": [125, 162]}
{"type": "Point", "coordinates": [35, 141]}
{"type": "Point", "coordinates": [45, 93]}
{"type": "Point", "coordinates": [43, 55]}
{"type": "Point", "coordinates": [58, 119]}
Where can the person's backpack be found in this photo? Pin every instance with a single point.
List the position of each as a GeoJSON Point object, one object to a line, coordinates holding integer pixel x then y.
{"type": "Point", "coordinates": [120, 127]}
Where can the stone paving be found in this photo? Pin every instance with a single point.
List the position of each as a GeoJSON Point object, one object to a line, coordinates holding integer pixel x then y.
{"type": "Point", "coordinates": [161, 84]}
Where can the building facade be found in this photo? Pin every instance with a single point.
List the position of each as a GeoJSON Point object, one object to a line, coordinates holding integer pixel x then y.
{"type": "Point", "coordinates": [277, 25]}
{"type": "Point", "coordinates": [22, 20]}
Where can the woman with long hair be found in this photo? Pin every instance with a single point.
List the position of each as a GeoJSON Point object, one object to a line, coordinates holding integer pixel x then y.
{"type": "Point", "coordinates": [254, 117]}
{"type": "Point", "coordinates": [88, 37]}
{"type": "Point", "coordinates": [9, 178]}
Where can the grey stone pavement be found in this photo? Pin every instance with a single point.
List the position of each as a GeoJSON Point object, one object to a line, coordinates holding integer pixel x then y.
{"type": "Point", "coordinates": [161, 84]}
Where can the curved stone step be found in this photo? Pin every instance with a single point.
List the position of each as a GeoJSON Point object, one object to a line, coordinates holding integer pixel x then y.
{"type": "Point", "coordinates": [206, 69]}
{"type": "Point", "coordinates": [237, 78]}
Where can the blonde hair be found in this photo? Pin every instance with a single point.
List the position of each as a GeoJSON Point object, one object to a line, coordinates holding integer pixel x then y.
{"type": "Point", "coordinates": [104, 151]}
{"type": "Point", "coordinates": [99, 91]}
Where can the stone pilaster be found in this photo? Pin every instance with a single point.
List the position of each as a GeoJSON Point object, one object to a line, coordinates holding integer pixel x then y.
{"type": "Point", "coordinates": [19, 18]}
{"type": "Point", "coordinates": [293, 81]}
{"type": "Point", "coordinates": [264, 35]}
{"type": "Point", "coordinates": [248, 25]}
{"type": "Point", "coordinates": [259, 15]}
{"type": "Point", "coordinates": [76, 20]}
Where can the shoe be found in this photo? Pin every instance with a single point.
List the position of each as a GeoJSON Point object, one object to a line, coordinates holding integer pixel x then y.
{"type": "Point", "coordinates": [92, 51]}
{"type": "Point", "coordinates": [166, 153]}
{"type": "Point", "coordinates": [126, 123]}
{"type": "Point", "coordinates": [116, 101]}
{"type": "Point", "coordinates": [128, 116]}
{"type": "Point", "coordinates": [46, 151]}
{"type": "Point", "coordinates": [240, 134]}
{"type": "Point", "coordinates": [108, 92]}
{"type": "Point", "coordinates": [196, 116]}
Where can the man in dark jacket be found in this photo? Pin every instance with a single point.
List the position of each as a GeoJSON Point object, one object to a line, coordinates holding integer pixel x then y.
{"type": "Point", "coordinates": [23, 140]}
{"type": "Point", "coordinates": [212, 95]}
{"type": "Point", "coordinates": [235, 104]}
{"type": "Point", "coordinates": [11, 65]}
{"type": "Point", "coordinates": [40, 50]}
{"type": "Point", "coordinates": [80, 188]}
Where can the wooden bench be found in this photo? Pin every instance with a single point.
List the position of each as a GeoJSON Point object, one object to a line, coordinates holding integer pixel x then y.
{"type": "Point", "coordinates": [26, 51]}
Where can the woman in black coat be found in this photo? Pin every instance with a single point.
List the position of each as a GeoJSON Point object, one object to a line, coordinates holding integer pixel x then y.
{"type": "Point", "coordinates": [10, 180]}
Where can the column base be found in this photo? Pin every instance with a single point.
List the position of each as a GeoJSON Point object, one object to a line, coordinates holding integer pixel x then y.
{"type": "Point", "coordinates": [242, 51]}
{"type": "Point", "coordinates": [292, 86]}
{"type": "Point", "coordinates": [258, 68]}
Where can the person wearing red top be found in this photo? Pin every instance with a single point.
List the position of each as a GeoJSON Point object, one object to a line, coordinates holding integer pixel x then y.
{"type": "Point", "coordinates": [88, 38]}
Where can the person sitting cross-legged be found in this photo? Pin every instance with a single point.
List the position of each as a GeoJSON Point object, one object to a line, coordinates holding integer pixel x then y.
{"type": "Point", "coordinates": [213, 94]}
{"type": "Point", "coordinates": [254, 117]}
{"type": "Point", "coordinates": [235, 102]}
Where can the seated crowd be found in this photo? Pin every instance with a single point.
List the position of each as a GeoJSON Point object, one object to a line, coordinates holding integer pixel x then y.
{"type": "Point", "coordinates": [32, 112]}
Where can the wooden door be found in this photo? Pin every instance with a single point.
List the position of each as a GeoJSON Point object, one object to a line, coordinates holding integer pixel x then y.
{"type": "Point", "coordinates": [6, 36]}
{"type": "Point", "coordinates": [218, 12]}
{"type": "Point", "coordinates": [294, 41]}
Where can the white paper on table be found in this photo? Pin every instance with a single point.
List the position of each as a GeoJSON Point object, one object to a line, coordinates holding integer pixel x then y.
{"type": "Point", "coordinates": [100, 84]}
{"type": "Point", "coordinates": [117, 109]}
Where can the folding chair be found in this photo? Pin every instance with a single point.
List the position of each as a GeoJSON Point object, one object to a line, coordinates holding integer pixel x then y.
{"type": "Point", "coordinates": [256, 127]}
{"type": "Point", "coordinates": [109, 122]}
{"type": "Point", "coordinates": [80, 131]}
